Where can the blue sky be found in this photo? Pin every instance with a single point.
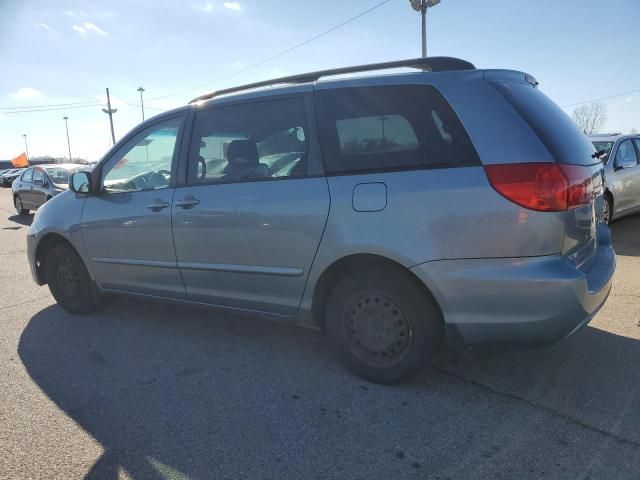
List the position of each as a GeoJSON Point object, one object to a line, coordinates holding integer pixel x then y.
{"type": "Point", "coordinates": [70, 50]}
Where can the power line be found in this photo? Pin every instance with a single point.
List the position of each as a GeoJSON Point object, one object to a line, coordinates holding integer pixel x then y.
{"type": "Point", "coordinates": [48, 105]}
{"type": "Point", "coordinates": [600, 98]}
{"type": "Point", "coordinates": [277, 55]}
{"type": "Point", "coordinates": [72, 105]}
{"type": "Point", "coordinates": [51, 109]}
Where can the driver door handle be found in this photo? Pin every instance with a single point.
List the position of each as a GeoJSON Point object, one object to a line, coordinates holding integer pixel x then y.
{"type": "Point", "coordinates": [187, 203]}
{"type": "Point", "coordinates": [157, 206]}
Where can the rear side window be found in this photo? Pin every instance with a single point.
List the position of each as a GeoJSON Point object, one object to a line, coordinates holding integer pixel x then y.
{"type": "Point", "coordinates": [556, 130]}
{"type": "Point", "coordinates": [255, 141]}
{"type": "Point", "coordinates": [390, 128]}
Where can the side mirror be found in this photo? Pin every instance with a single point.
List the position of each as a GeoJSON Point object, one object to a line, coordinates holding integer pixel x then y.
{"type": "Point", "coordinates": [80, 182]}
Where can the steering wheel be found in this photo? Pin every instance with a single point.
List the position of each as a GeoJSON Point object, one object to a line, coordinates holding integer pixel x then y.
{"type": "Point", "coordinates": [158, 178]}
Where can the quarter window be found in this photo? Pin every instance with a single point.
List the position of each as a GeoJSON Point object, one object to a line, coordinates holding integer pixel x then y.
{"type": "Point", "coordinates": [250, 142]}
{"type": "Point", "coordinates": [145, 162]}
{"type": "Point", "coordinates": [389, 128]}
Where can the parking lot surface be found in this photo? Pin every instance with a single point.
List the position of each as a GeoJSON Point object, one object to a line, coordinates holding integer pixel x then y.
{"type": "Point", "coordinates": [148, 390]}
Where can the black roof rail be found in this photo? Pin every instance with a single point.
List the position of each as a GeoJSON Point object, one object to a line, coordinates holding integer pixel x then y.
{"type": "Point", "coordinates": [428, 64]}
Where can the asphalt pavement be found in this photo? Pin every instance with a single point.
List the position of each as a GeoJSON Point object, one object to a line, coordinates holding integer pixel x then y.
{"type": "Point", "coordinates": [145, 390]}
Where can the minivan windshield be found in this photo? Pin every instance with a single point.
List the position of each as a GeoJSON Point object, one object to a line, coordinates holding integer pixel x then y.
{"type": "Point", "coordinates": [606, 146]}
{"type": "Point", "coordinates": [60, 175]}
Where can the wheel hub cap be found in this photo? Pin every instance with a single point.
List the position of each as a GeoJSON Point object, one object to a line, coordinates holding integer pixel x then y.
{"type": "Point", "coordinates": [377, 328]}
{"type": "Point", "coordinates": [66, 280]}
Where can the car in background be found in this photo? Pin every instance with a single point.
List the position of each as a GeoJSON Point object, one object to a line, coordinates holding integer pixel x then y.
{"type": "Point", "coordinates": [36, 185]}
{"type": "Point", "coordinates": [621, 156]}
{"type": "Point", "coordinates": [7, 178]}
{"type": "Point", "coordinates": [394, 212]}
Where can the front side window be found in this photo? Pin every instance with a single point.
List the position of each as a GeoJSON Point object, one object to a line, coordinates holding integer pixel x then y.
{"type": "Point", "coordinates": [145, 162]}
{"type": "Point", "coordinates": [389, 128]}
{"type": "Point", "coordinates": [37, 175]}
{"type": "Point", "coordinates": [625, 154]}
{"type": "Point", "coordinates": [249, 142]}
{"type": "Point", "coordinates": [28, 175]}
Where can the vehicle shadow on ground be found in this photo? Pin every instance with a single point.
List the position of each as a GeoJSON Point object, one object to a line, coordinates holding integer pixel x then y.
{"type": "Point", "coordinates": [168, 390]}
{"type": "Point", "coordinates": [25, 220]}
{"type": "Point", "coordinates": [626, 235]}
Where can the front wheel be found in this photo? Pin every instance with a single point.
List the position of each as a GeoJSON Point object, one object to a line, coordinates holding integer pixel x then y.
{"type": "Point", "coordinates": [17, 202]}
{"type": "Point", "coordinates": [607, 209]}
{"type": "Point", "coordinates": [69, 281]}
{"type": "Point", "coordinates": [383, 325]}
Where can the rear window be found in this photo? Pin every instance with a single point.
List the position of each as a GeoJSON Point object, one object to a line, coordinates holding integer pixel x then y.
{"type": "Point", "coordinates": [390, 128]}
{"type": "Point", "coordinates": [558, 132]}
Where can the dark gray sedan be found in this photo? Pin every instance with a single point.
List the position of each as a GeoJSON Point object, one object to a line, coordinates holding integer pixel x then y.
{"type": "Point", "coordinates": [38, 184]}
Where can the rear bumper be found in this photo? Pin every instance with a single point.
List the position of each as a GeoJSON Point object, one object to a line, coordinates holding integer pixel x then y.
{"type": "Point", "coordinates": [520, 300]}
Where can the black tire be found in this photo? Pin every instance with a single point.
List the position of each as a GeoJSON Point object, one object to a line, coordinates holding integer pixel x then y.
{"type": "Point", "coordinates": [69, 281]}
{"type": "Point", "coordinates": [17, 202]}
{"type": "Point", "coordinates": [607, 209]}
{"type": "Point", "coordinates": [383, 325]}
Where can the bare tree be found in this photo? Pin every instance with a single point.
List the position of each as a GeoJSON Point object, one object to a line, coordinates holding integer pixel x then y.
{"type": "Point", "coordinates": [633, 131]}
{"type": "Point", "coordinates": [590, 118]}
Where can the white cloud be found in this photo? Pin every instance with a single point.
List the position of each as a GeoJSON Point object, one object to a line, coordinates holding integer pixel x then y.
{"type": "Point", "coordinates": [232, 6]}
{"type": "Point", "coordinates": [237, 64]}
{"type": "Point", "coordinates": [79, 29]}
{"type": "Point", "coordinates": [87, 27]}
{"type": "Point", "coordinates": [203, 7]}
{"type": "Point", "coordinates": [43, 26]}
{"type": "Point", "coordinates": [27, 93]}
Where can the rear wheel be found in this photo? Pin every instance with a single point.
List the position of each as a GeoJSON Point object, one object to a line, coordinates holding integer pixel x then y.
{"type": "Point", "coordinates": [383, 325]}
{"type": "Point", "coordinates": [17, 202]}
{"type": "Point", "coordinates": [69, 281]}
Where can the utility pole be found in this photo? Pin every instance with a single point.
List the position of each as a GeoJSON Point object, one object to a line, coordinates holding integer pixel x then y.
{"type": "Point", "coordinates": [422, 6]}
{"type": "Point", "coordinates": [26, 148]}
{"type": "Point", "coordinates": [110, 111]}
{"type": "Point", "coordinates": [66, 124]}
{"type": "Point", "coordinates": [140, 89]}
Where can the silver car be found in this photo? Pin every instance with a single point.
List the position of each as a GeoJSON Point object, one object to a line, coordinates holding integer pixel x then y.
{"type": "Point", "coordinates": [621, 155]}
{"type": "Point", "coordinates": [398, 213]}
{"type": "Point", "coordinates": [39, 184]}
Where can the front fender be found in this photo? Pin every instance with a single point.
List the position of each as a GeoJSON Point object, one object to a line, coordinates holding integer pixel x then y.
{"type": "Point", "coordinates": [62, 217]}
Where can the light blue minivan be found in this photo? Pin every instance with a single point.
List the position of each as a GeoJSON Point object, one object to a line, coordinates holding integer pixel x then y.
{"type": "Point", "coordinates": [398, 212]}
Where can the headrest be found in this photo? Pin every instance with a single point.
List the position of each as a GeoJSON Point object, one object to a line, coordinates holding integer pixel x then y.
{"type": "Point", "coordinates": [242, 151]}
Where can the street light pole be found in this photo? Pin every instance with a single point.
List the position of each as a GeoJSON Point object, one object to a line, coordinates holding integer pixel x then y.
{"type": "Point", "coordinates": [423, 14]}
{"type": "Point", "coordinates": [66, 124]}
{"type": "Point", "coordinates": [140, 89]}
{"type": "Point", "coordinates": [26, 148]}
{"type": "Point", "coordinates": [422, 6]}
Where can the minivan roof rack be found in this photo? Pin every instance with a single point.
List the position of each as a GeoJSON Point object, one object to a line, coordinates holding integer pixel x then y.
{"type": "Point", "coordinates": [428, 64]}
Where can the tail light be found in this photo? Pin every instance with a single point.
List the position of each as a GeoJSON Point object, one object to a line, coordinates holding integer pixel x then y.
{"type": "Point", "coordinates": [546, 187]}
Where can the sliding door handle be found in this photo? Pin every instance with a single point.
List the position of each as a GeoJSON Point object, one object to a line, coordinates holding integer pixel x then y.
{"type": "Point", "coordinates": [187, 203]}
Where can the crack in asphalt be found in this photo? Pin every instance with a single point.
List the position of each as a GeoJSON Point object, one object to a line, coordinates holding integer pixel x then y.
{"type": "Point", "coordinates": [538, 406]}
{"type": "Point", "coordinates": [3, 307]}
